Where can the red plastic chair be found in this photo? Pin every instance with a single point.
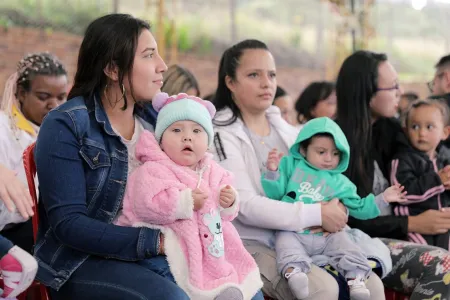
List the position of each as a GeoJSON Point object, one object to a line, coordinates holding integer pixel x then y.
{"type": "Point", "coordinates": [38, 290]}
{"type": "Point", "coordinates": [393, 295]}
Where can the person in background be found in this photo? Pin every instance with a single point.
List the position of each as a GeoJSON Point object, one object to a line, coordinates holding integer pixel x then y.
{"type": "Point", "coordinates": [178, 79]}
{"type": "Point", "coordinates": [368, 92]}
{"type": "Point", "coordinates": [38, 86]}
{"type": "Point", "coordinates": [318, 99]}
{"type": "Point", "coordinates": [209, 97]}
{"type": "Point", "coordinates": [440, 85]}
{"type": "Point", "coordinates": [286, 105]}
{"type": "Point", "coordinates": [405, 101]}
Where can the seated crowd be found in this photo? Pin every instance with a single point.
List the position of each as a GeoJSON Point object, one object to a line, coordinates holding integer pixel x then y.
{"type": "Point", "coordinates": [147, 191]}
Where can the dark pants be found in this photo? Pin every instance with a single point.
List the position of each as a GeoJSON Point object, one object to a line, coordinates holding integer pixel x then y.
{"type": "Point", "coordinates": [5, 246]}
{"type": "Point", "coordinates": [21, 235]}
{"type": "Point", "coordinates": [160, 266]}
{"type": "Point", "coordinates": [99, 278]}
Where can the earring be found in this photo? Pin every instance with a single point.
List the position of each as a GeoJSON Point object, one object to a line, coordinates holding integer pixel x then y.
{"type": "Point", "coordinates": [123, 93]}
{"type": "Point", "coordinates": [106, 96]}
{"type": "Point", "coordinates": [117, 100]}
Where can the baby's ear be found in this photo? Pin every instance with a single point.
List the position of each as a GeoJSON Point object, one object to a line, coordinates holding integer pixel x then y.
{"type": "Point", "coordinates": [446, 132]}
{"type": "Point", "coordinates": [302, 150]}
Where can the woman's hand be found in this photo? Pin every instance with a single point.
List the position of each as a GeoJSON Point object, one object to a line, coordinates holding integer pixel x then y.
{"type": "Point", "coordinates": [430, 222]}
{"type": "Point", "coordinates": [14, 193]}
{"type": "Point", "coordinates": [334, 216]}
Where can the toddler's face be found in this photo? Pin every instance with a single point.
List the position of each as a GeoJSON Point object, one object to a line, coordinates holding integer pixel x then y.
{"type": "Point", "coordinates": [322, 153]}
{"type": "Point", "coordinates": [185, 142]}
{"type": "Point", "coordinates": [425, 128]}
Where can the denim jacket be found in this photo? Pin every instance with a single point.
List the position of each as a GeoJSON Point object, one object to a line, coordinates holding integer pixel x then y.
{"type": "Point", "coordinates": [82, 169]}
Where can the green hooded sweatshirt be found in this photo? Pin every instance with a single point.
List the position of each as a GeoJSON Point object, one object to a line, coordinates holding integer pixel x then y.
{"type": "Point", "coordinates": [298, 180]}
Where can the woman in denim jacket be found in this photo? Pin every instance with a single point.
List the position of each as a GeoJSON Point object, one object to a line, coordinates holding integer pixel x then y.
{"type": "Point", "coordinates": [84, 153]}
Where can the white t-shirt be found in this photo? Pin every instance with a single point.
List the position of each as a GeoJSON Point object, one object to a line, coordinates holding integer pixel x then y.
{"type": "Point", "coordinates": [13, 143]}
{"type": "Point", "coordinates": [133, 163]}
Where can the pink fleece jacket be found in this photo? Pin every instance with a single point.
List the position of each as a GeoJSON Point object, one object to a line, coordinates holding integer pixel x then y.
{"type": "Point", "coordinates": [204, 250]}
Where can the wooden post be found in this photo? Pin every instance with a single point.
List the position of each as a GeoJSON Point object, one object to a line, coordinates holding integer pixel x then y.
{"type": "Point", "coordinates": [161, 30]}
{"type": "Point", "coordinates": [174, 36]}
{"type": "Point", "coordinates": [233, 21]}
{"type": "Point", "coordinates": [116, 5]}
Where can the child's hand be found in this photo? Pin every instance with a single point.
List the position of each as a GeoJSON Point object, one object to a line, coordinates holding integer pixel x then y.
{"type": "Point", "coordinates": [200, 198]}
{"type": "Point", "coordinates": [227, 197]}
{"type": "Point", "coordinates": [395, 193]}
{"type": "Point", "coordinates": [273, 159]}
{"type": "Point", "coordinates": [444, 175]}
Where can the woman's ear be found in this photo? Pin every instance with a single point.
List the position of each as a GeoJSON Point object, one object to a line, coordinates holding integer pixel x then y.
{"type": "Point", "coordinates": [112, 71]}
{"type": "Point", "coordinates": [229, 83]}
{"type": "Point", "coordinates": [21, 94]}
{"type": "Point", "coordinates": [302, 151]}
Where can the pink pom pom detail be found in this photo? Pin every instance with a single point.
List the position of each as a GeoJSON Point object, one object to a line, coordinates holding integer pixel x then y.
{"type": "Point", "coordinates": [162, 99]}
{"type": "Point", "coordinates": [159, 100]}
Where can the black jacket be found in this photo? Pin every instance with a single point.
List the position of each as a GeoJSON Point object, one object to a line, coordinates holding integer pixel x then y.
{"type": "Point", "coordinates": [418, 174]}
{"type": "Point", "coordinates": [384, 145]}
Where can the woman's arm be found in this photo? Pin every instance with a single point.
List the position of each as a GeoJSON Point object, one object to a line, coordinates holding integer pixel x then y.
{"type": "Point", "coordinates": [62, 186]}
{"type": "Point", "coordinates": [14, 193]}
{"type": "Point", "coordinates": [260, 211]}
{"type": "Point", "coordinates": [394, 227]}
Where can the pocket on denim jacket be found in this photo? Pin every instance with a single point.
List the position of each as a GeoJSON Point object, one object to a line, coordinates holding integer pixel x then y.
{"type": "Point", "coordinates": [95, 157]}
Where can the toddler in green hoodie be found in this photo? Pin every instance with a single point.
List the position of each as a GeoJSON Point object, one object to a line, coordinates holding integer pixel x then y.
{"type": "Point", "coordinates": [311, 173]}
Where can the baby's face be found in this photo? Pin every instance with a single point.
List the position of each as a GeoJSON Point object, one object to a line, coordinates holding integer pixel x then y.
{"type": "Point", "coordinates": [425, 127]}
{"type": "Point", "coordinates": [185, 142]}
{"type": "Point", "coordinates": [322, 153]}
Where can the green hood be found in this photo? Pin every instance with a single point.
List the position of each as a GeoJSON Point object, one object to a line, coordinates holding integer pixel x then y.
{"type": "Point", "coordinates": [323, 125]}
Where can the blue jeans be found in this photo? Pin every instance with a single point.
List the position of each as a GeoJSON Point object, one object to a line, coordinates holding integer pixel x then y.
{"type": "Point", "coordinates": [99, 278]}
{"type": "Point", "coordinates": [160, 266]}
{"type": "Point", "coordinates": [5, 246]}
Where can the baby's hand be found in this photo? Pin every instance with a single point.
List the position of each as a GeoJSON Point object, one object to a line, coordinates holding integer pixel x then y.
{"type": "Point", "coordinates": [227, 197]}
{"type": "Point", "coordinates": [273, 159]}
{"type": "Point", "coordinates": [199, 197]}
{"type": "Point", "coordinates": [395, 193]}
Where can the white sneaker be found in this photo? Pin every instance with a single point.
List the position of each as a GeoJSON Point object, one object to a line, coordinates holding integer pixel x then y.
{"type": "Point", "coordinates": [298, 283]}
{"type": "Point", "coordinates": [358, 289]}
{"type": "Point", "coordinates": [231, 293]}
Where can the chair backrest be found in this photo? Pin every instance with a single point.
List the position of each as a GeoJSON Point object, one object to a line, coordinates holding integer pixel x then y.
{"type": "Point", "coordinates": [30, 171]}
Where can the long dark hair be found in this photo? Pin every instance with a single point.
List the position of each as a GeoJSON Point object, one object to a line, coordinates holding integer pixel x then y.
{"type": "Point", "coordinates": [178, 79]}
{"type": "Point", "coordinates": [227, 67]}
{"type": "Point", "coordinates": [311, 95]}
{"type": "Point", "coordinates": [110, 40]}
{"type": "Point", "coordinates": [356, 85]}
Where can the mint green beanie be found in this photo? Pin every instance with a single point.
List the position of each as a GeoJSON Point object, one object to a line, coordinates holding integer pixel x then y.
{"type": "Point", "coordinates": [182, 107]}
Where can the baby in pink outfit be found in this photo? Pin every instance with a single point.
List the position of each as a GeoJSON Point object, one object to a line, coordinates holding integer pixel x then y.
{"type": "Point", "coordinates": [180, 190]}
